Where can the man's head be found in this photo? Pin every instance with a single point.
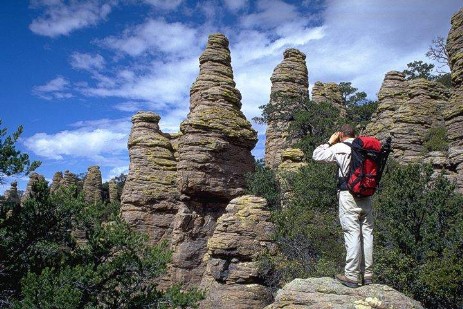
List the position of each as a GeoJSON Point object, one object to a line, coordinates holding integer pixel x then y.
{"type": "Point", "coordinates": [347, 131]}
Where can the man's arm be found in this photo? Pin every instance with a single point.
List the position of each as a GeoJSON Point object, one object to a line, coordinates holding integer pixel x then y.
{"type": "Point", "coordinates": [323, 152]}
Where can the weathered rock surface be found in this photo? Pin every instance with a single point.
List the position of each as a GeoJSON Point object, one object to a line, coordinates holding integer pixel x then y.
{"type": "Point", "coordinates": [70, 179]}
{"type": "Point", "coordinates": [232, 279]}
{"type": "Point", "coordinates": [113, 192]}
{"type": "Point", "coordinates": [149, 198]}
{"type": "Point", "coordinates": [56, 182]}
{"type": "Point", "coordinates": [329, 92]}
{"type": "Point", "coordinates": [93, 185]}
{"type": "Point", "coordinates": [454, 114]}
{"type": "Point", "coordinates": [214, 154]}
{"type": "Point", "coordinates": [292, 161]}
{"type": "Point", "coordinates": [324, 293]}
{"type": "Point", "coordinates": [34, 178]}
{"type": "Point", "coordinates": [11, 195]}
{"type": "Point", "coordinates": [407, 111]}
{"type": "Point", "coordinates": [214, 151]}
{"type": "Point", "coordinates": [290, 83]}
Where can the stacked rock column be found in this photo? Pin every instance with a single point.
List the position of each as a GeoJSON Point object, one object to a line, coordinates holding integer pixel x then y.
{"type": "Point", "coordinates": [214, 153]}
{"type": "Point", "coordinates": [454, 114]}
{"type": "Point", "coordinates": [290, 84]}
{"type": "Point", "coordinates": [93, 185]}
{"type": "Point", "coordinates": [150, 196]}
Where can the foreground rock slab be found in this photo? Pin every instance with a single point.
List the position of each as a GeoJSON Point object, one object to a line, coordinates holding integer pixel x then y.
{"type": "Point", "coordinates": [320, 293]}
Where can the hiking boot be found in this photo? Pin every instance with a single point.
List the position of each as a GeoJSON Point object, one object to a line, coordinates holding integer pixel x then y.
{"type": "Point", "coordinates": [367, 280]}
{"type": "Point", "coordinates": [346, 281]}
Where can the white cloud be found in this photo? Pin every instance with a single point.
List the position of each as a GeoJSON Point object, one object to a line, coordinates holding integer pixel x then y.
{"type": "Point", "coordinates": [164, 4]}
{"type": "Point", "coordinates": [236, 5]}
{"type": "Point", "coordinates": [165, 84]}
{"type": "Point", "coordinates": [155, 36]}
{"type": "Point", "coordinates": [60, 18]}
{"type": "Point", "coordinates": [116, 171]}
{"type": "Point", "coordinates": [87, 62]}
{"type": "Point", "coordinates": [364, 41]}
{"type": "Point", "coordinates": [93, 140]}
{"type": "Point", "coordinates": [271, 13]}
{"type": "Point", "coordinates": [58, 88]}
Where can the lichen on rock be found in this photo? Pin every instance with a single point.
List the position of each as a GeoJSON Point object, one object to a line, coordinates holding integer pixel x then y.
{"type": "Point", "coordinates": [290, 83]}
{"type": "Point", "coordinates": [214, 151]}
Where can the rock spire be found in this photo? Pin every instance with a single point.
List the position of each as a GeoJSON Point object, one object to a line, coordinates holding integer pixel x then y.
{"type": "Point", "coordinates": [454, 114]}
{"type": "Point", "coordinates": [214, 151]}
{"type": "Point", "coordinates": [290, 83]}
{"type": "Point", "coordinates": [149, 198]}
{"type": "Point", "coordinates": [93, 185]}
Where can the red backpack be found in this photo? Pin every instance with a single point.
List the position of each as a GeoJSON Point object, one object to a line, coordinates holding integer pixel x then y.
{"type": "Point", "coordinates": [368, 158]}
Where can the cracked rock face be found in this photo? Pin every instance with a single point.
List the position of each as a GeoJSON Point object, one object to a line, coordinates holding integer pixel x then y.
{"type": "Point", "coordinates": [149, 198]}
{"type": "Point", "coordinates": [407, 110]}
{"type": "Point", "coordinates": [214, 151]}
{"type": "Point", "coordinates": [290, 83]}
{"type": "Point", "coordinates": [93, 185]}
{"type": "Point", "coordinates": [454, 114]}
{"type": "Point", "coordinates": [319, 293]}
{"type": "Point", "coordinates": [329, 92]}
{"type": "Point", "coordinates": [232, 279]}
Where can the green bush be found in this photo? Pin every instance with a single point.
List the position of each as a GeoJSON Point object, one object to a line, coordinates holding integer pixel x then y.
{"type": "Point", "coordinates": [419, 223]}
{"type": "Point", "coordinates": [262, 182]}
{"type": "Point", "coordinates": [58, 252]}
{"type": "Point", "coordinates": [436, 139]}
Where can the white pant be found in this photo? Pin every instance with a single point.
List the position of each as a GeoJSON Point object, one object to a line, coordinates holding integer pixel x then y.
{"type": "Point", "coordinates": [356, 219]}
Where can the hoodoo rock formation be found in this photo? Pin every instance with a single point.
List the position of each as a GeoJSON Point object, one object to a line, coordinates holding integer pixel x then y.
{"type": "Point", "coordinates": [113, 192]}
{"type": "Point", "coordinates": [407, 111]}
{"type": "Point", "coordinates": [214, 154]}
{"type": "Point", "coordinates": [56, 182]}
{"type": "Point", "coordinates": [329, 92]}
{"type": "Point", "coordinates": [454, 114]}
{"type": "Point", "coordinates": [93, 185]}
{"type": "Point", "coordinates": [34, 179]}
{"type": "Point", "coordinates": [149, 199]}
{"type": "Point", "coordinates": [180, 184]}
{"type": "Point", "coordinates": [232, 278]}
{"type": "Point", "coordinates": [11, 195]}
{"type": "Point", "coordinates": [215, 148]}
{"type": "Point", "coordinates": [290, 82]}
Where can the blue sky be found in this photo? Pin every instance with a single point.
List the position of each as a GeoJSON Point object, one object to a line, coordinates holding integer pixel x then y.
{"type": "Point", "coordinates": [74, 72]}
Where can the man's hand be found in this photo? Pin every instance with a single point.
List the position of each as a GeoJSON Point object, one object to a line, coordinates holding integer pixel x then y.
{"type": "Point", "coordinates": [334, 138]}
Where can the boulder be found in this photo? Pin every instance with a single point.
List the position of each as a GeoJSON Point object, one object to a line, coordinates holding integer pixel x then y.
{"type": "Point", "coordinates": [324, 293]}
{"type": "Point", "coordinates": [232, 278]}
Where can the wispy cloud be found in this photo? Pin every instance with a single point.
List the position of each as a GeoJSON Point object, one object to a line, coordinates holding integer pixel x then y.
{"type": "Point", "coordinates": [87, 62]}
{"type": "Point", "coordinates": [61, 18]}
{"type": "Point", "coordinates": [58, 88]}
{"type": "Point", "coordinates": [236, 5]}
{"type": "Point", "coordinates": [164, 4]}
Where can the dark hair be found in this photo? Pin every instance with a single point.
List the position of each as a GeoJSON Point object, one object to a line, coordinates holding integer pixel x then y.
{"type": "Point", "coordinates": [348, 130]}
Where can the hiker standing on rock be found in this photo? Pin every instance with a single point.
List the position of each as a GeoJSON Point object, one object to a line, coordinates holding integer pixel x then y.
{"type": "Point", "coordinates": [355, 213]}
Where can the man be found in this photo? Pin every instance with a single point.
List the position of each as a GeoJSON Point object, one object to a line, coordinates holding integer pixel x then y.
{"type": "Point", "coordinates": [355, 214]}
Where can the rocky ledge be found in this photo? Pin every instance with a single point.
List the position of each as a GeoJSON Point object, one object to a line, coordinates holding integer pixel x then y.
{"type": "Point", "coordinates": [321, 293]}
